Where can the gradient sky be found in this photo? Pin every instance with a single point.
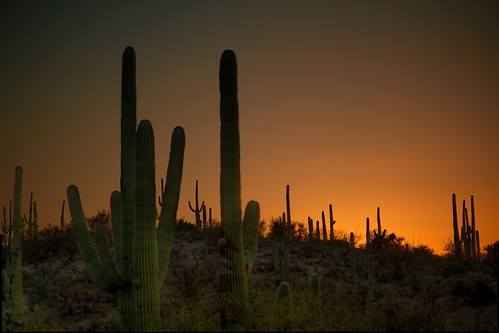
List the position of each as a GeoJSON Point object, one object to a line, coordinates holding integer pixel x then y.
{"type": "Point", "coordinates": [355, 103]}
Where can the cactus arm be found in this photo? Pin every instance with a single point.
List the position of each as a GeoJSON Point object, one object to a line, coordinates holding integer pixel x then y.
{"type": "Point", "coordinates": [106, 258]}
{"type": "Point", "coordinates": [87, 250]}
{"type": "Point", "coordinates": [250, 232]}
{"type": "Point", "coordinates": [115, 202]}
{"type": "Point", "coordinates": [169, 207]}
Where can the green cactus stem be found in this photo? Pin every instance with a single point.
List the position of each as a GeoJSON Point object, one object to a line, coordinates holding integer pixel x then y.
{"type": "Point", "coordinates": [233, 274]}
{"type": "Point", "coordinates": [251, 222]}
{"type": "Point", "coordinates": [284, 292]}
{"type": "Point", "coordinates": [315, 289]}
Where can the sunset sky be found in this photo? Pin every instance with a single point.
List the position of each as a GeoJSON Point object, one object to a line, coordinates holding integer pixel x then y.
{"type": "Point", "coordinates": [361, 104]}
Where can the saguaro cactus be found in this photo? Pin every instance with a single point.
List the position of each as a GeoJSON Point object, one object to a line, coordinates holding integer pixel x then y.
{"type": "Point", "coordinates": [15, 274]}
{"type": "Point", "coordinates": [141, 250]}
{"type": "Point", "coordinates": [315, 289]}
{"type": "Point", "coordinates": [197, 210]}
{"type": "Point", "coordinates": [324, 230]}
{"type": "Point", "coordinates": [233, 275]}
{"type": "Point", "coordinates": [332, 222]}
{"type": "Point", "coordinates": [457, 239]}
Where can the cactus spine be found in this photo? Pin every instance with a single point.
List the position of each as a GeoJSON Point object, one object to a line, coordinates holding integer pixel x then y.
{"type": "Point", "coordinates": [233, 276]}
{"type": "Point", "coordinates": [141, 250]}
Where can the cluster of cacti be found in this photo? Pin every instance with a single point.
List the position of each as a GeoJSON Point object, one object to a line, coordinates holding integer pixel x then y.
{"type": "Point", "coordinates": [310, 229]}
{"type": "Point", "coordinates": [235, 264]}
{"type": "Point", "coordinates": [317, 233]}
{"type": "Point", "coordinates": [13, 275]}
{"type": "Point", "coordinates": [141, 251]}
{"type": "Point", "coordinates": [197, 210]}
{"type": "Point", "coordinates": [466, 238]}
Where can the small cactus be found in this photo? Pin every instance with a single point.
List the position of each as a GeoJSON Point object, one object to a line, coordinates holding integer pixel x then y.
{"type": "Point", "coordinates": [283, 292]}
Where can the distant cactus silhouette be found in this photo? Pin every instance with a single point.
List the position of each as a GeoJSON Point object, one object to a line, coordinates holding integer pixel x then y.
{"type": "Point", "coordinates": [332, 222]}
{"type": "Point", "coordinates": [466, 238]}
{"type": "Point", "coordinates": [368, 233]}
{"type": "Point", "coordinates": [197, 210]}
{"type": "Point", "coordinates": [324, 230]}
{"type": "Point", "coordinates": [233, 269]}
{"type": "Point", "coordinates": [141, 251]}
{"type": "Point", "coordinates": [310, 229]}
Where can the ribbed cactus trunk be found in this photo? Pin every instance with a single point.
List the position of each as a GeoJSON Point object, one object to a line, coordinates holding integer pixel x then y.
{"type": "Point", "coordinates": [145, 281]}
{"type": "Point", "coordinates": [127, 185]}
{"type": "Point", "coordinates": [16, 273]}
{"type": "Point", "coordinates": [141, 250]}
{"type": "Point", "coordinates": [233, 278]}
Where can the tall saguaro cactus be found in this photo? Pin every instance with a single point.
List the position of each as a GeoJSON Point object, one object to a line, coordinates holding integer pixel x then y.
{"type": "Point", "coordinates": [233, 274]}
{"type": "Point", "coordinates": [15, 274]}
{"type": "Point", "coordinates": [141, 250]}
